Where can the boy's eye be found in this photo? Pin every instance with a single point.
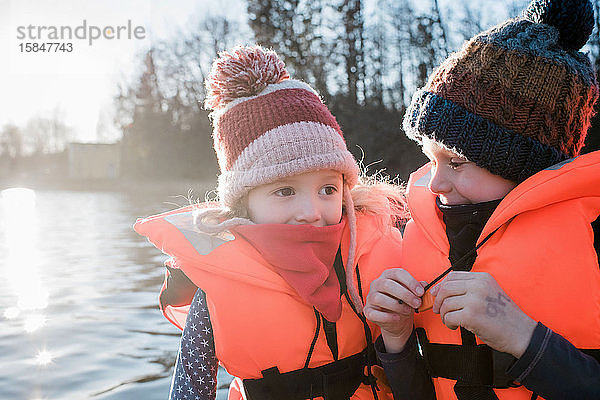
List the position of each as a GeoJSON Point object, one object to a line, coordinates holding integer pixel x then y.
{"type": "Point", "coordinates": [456, 163]}
{"type": "Point", "coordinates": [328, 190]}
{"type": "Point", "coordinates": [284, 192]}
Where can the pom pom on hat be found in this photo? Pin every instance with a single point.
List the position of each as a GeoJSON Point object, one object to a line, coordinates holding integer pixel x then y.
{"type": "Point", "coordinates": [574, 19]}
{"type": "Point", "coordinates": [268, 126]}
{"type": "Point", "coordinates": [243, 72]}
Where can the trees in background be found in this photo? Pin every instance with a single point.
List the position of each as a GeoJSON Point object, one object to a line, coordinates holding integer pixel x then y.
{"type": "Point", "coordinates": [39, 135]}
{"type": "Point", "coordinates": [364, 58]}
{"type": "Point", "coordinates": [166, 132]}
{"type": "Point", "coordinates": [11, 142]}
{"type": "Point", "coordinates": [36, 148]}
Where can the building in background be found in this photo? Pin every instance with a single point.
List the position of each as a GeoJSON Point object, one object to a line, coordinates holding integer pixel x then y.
{"type": "Point", "coordinates": [94, 160]}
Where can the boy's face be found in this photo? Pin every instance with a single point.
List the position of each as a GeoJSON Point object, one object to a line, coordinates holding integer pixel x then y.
{"type": "Point", "coordinates": [456, 180]}
{"type": "Point", "coordinates": [313, 198]}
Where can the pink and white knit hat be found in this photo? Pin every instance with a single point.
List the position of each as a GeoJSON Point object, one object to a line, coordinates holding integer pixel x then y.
{"type": "Point", "coordinates": [267, 126]}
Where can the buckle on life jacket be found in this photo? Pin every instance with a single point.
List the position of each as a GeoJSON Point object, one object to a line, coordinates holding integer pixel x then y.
{"type": "Point", "coordinates": [478, 365]}
{"type": "Point", "coordinates": [337, 380]}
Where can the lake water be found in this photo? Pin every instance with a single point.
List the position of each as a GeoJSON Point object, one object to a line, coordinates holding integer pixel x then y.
{"type": "Point", "coordinates": [78, 298]}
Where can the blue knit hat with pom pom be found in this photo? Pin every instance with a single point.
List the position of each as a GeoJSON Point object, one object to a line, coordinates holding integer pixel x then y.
{"type": "Point", "coordinates": [516, 98]}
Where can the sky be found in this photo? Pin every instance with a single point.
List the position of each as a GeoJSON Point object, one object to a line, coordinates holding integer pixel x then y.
{"type": "Point", "coordinates": [78, 86]}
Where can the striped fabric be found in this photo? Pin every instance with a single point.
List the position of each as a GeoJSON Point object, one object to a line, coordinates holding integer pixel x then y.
{"type": "Point", "coordinates": [268, 126]}
{"type": "Point", "coordinates": [514, 99]}
{"type": "Point", "coordinates": [283, 131]}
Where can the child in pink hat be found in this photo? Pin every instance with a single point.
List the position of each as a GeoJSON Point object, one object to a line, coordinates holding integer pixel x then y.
{"type": "Point", "coordinates": [286, 256]}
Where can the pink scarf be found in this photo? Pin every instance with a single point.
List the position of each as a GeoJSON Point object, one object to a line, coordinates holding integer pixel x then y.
{"type": "Point", "coordinates": [303, 256]}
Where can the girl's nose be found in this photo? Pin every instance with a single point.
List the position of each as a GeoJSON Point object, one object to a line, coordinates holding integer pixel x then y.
{"type": "Point", "coordinates": [308, 211]}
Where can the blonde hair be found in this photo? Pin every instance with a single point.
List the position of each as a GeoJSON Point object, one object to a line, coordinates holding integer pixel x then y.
{"type": "Point", "coordinates": [383, 197]}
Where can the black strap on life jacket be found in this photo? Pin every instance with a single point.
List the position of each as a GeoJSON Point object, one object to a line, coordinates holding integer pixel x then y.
{"type": "Point", "coordinates": [477, 368]}
{"type": "Point", "coordinates": [334, 381]}
{"type": "Point", "coordinates": [470, 364]}
{"type": "Point", "coordinates": [371, 380]}
{"type": "Point", "coordinates": [477, 365]}
{"type": "Point", "coordinates": [460, 264]}
{"type": "Point", "coordinates": [330, 330]}
{"type": "Point", "coordinates": [475, 359]}
{"type": "Point", "coordinates": [473, 366]}
{"type": "Point", "coordinates": [337, 380]}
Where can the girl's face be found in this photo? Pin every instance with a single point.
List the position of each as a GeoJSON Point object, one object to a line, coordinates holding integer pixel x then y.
{"type": "Point", "coordinates": [313, 198]}
{"type": "Point", "coordinates": [456, 180]}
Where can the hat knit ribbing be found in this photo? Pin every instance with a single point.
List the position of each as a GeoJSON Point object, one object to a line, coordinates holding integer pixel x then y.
{"type": "Point", "coordinates": [516, 98]}
{"type": "Point", "coordinates": [267, 126]}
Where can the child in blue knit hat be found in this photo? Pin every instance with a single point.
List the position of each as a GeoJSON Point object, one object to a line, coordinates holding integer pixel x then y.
{"type": "Point", "coordinates": [500, 221]}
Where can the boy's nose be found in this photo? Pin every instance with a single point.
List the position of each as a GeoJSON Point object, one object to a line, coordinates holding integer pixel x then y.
{"type": "Point", "coordinates": [308, 212]}
{"type": "Point", "coordinates": [439, 182]}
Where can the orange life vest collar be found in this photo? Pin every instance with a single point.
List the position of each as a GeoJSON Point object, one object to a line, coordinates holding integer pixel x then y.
{"type": "Point", "coordinates": [540, 254]}
{"type": "Point", "coordinates": [571, 179]}
{"type": "Point", "coordinates": [258, 319]}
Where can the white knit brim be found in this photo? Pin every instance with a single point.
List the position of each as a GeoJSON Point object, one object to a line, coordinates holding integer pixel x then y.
{"type": "Point", "coordinates": [284, 151]}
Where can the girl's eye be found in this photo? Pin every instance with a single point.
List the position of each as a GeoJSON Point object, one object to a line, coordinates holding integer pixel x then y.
{"type": "Point", "coordinates": [284, 192]}
{"type": "Point", "coordinates": [328, 190]}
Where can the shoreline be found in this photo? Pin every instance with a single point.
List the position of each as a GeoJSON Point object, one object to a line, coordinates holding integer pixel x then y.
{"type": "Point", "coordinates": [175, 186]}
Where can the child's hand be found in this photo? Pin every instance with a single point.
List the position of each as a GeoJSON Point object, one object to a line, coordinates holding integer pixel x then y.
{"type": "Point", "coordinates": [475, 301]}
{"type": "Point", "coordinates": [390, 304]}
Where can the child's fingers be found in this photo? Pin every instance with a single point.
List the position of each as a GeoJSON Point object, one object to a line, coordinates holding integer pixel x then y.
{"type": "Point", "coordinates": [453, 319]}
{"type": "Point", "coordinates": [386, 286]}
{"type": "Point", "coordinates": [450, 304]}
{"type": "Point", "coordinates": [447, 289]}
{"type": "Point", "coordinates": [402, 301]}
{"type": "Point", "coordinates": [454, 276]}
{"type": "Point", "coordinates": [461, 276]}
{"type": "Point", "coordinates": [381, 317]}
{"type": "Point", "coordinates": [404, 278]}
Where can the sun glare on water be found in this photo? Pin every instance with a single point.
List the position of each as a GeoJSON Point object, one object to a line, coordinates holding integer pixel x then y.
{"type": "Point", "coordinates": [33, 322]}
{"type": "Point", "coordinates": [23, 258]}
{"type": "Point", "coordinates": [12, 312]}
{"type": "Point", "coordinates": [44, 358]}
{"type": "Point", "coordinates": [19, 225]}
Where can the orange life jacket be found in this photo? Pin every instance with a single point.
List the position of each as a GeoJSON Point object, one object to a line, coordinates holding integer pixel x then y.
{"type": "Point", "coordinates": [542, 254]}
{"type": "Point", "coordinates": [258, 320]}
